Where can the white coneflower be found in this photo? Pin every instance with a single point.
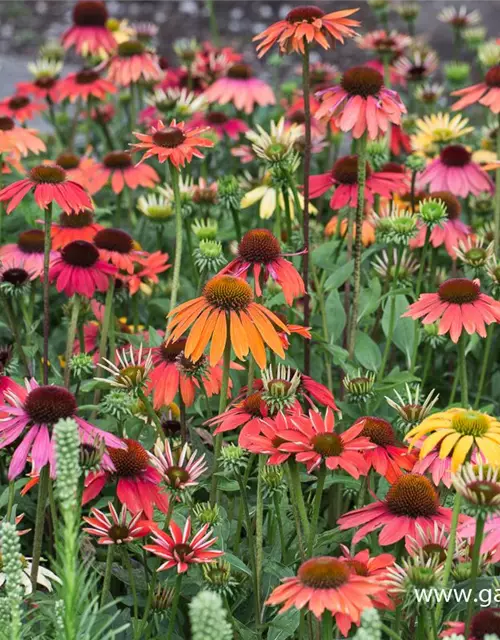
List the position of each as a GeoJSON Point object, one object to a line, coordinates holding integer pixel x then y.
{"type": "Point", "coordinates": [359, 386]}
{"type": "Point", "coordinates": [411, 410]}
{"type": "Point", "coordinates": [280, 386]}
{"type": "Point", "coordinates": [156, 206]}
{"type": "Point", "coordinates": [386, 268]}
{"type": "Point", "coordinates": [429, 93]}
{"type": "Point", "coordinates": [277, 144]}
{"type": "Point", "coordinates": [412, 575]}
{"type": "Point", "coordinates": [458, 17]}
{"type": "Point", "coordinates": [479, 485]}
{"type": "Point", "coordinates": [132, 370]}
{"type": "Point", "coordinates": [395, 225]}
{"type": "Point", "coordinates": [475, 252]}
{"type": "Point", "coordinates": [177, 102]}
{"type": "Point", "coordinates": [45, 69]}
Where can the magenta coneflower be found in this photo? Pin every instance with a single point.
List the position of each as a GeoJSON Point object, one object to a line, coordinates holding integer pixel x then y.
{"type": "Point", "coordinates": [133, 62]}
{"type": "Point", "coordinates": [344, 177]}
{"type": "Point", "coordinates": [89, 33]}
{"type": "Point", "coordinates": [118, 529]}
{"type": "Point", "coordinates": [49, 183]}
{"type": "Point", "coordinates": [118, 248]}
{"type": "Point", "coordinates": [85, 84]}
{"type": "Point", "coordinates": [20, 107]}
{"type": "Point", "coordinates": [27, 253]}
{"type": "Point", "coordinates": [31, 416]}
{"type": "Point", "coordinates": [361, 103]}
{"type": "Point", "coordinates": [79, 270]}
{"type": "Point", "coordinates": [454, 171]}
{"type": "Point", "coordinates": [242, 413]}
{"type": "Point", "coordinates": [486, 93]}
{"type": "Point", "coordinates": [384, 43]}
{"type": "Point", "coordinates": [118, 167]}
{"type": "Point", "coordinates": [241, 88]}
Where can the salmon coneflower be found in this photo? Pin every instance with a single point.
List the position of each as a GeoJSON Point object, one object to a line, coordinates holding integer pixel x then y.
{"type": "Point", "coordinates": [486, 93]}
{"type": "Point", "coordinates": [260, 252]}
{"type": "Point", "coordinates": [89, 34]}
{"type": "Point", "coordinates": [49, 183]}
{"type": "Point", "coordinates": [458, 304]}
{"type": "Point", "coordinates": [384, 43]}
{"type": "Point", "coordinates": [85, 84]}
{"type": "Point", "coordinates": [116, 528]}
{"type": "Point", "coordinates": [137, 481]}
{"type": "Point", "coordinates": [344, 178]}
{"type": "Point", "coordinates": [227, 315]}
{"type": "Point", "coordinates": [133, 62]}
{"type": "Point", "coordinates": [176, 143]}
{"type": "Point", "coordinates": [19, 140]}
{"type": "Point", "coordinates": [361, 103]}
{"type": "Point", "coordinates": [80, 169]}
{"type": "Point", "coordinates": [27, 252]}
{"type": "Point", "coordinates": [329, 584]}
{"type": "Point", "coordinates": [146, 272]}
{"type": "Point", "coordinates": [367, 229]}
{"type": "Point", "coordinates": [411, 500]}
{"type": "Point", "coordinates": [118, 248]}
{"type": "Point", "coordinates": [73, 227]}
{"type": "Point", "coordinates": [307, 23]}
{"type": "Point", "coordinates": [241, 88]}
{"type": "Point", "coordinates": [118, 167]}
{"type": "Point", "coordinates": [362, 564]}
{"type": "Point", "coordinates": [20, 107]}
{"type": "Point", "coordinates": [78, 269]}
{"type": "Point", "coordinates": [263, 436]}
{"type": "Point", "coordinates": [453, 170]}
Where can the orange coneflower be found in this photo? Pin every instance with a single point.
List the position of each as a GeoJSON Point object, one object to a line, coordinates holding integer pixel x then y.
{"type": "Point", "coordinates": [85, 84]}
{"type": "Point", "coordinates": [131, 63]}
{"type": "Point", "coordinates": [73, 227]}
{"type": "Point", "coordinates": [80, 169]}
{"type": "Point", "coordinates": [307, 23]}
{"type": "Point", "coordinates": [226, 311]}
{"type": "Point", "coordinates": [117, 167]}
{"type": "Point", "coordinates": [19, 140]}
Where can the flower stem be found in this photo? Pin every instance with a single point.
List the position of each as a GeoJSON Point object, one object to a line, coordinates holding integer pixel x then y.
{"type": "Point", "coordinates": [497, 194]}
{"type": "Point", "coordinates": [484, 367]}
{"type": "Point", "coordinates": [107, 574]}
{"type": "Point", "coordinates": [259, 533]}
{"type": "Point", "coordinates": [320, 483]}
{"type": "Point", "coordinates": [43, 489]}
{"type": "Point", "coordinates": [47, 243]}
{"type": "Point", "coordinates": [327, 626]}
{"type": "Point", "coordinates": [108, 314]}
{"type": "Point", "coordinates": [174, 607]}
{"type": "Point", "coordinates": [297, 497]}
{"type": "Point", "coordinates": [392, 319]}
{"type": "Point", "coordinates": [222, 406]}
{"type": "Point", "coordinates": [288, 214]}
{"type": "Point", "coordinates": [476, 555]}
{"type": "Point", "coordinates": [12, 493]}
{"type": "Point", "coordinates": [71, 337]}
{"type": "Point", "coordinates": [174, 173]}
{"type": "Point", "coordinates": [236, 221]}
{"type": "Point", "coordinates": [463, 369]}
{"type": "Point", "coordinates": [357, 243]}
{"type": "Point", "coordinates": [13, 326]}
{"type": "Point", "coordinates": [450, 552]}
{"type": "Point", "coordinates": [126, 561]}
{"type": "Point", "coordinates": [277, 511]}
{"type": "Point", "coordinates": [389, 632]}
{"type": "Point", "coordinates": [305, 219]}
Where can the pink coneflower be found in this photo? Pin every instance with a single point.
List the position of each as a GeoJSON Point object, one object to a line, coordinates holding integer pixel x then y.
{"type": "Point", "coordinates": [89, 34]}
{"type": "Point", "coordinates": [222, 124]}
{"type": "Point", "coordinates": [263, 437]}
{"type": "Point", "coordinates": [313, 441]}
{"type": "Point", "coordinates": [260, 252]}
{"type": "Point", "coordinates": [146, 273]}
{"type": "Point", "coordinates": [73, 227]}
{"type": "Point", "coordinates": [137, 480]}
{"type": "Point", "coordinates": [118, 167]}
{"type": "Point", "coordinates": [388, 458]}
{"type": "Point", "coordinates": [344, 177]}
{"type": "Point", "coordinates": [418, 66]}
{"type": "Point", "coordinates": [19, 139]}
{"type": "Point", "coordinates": [48, 183]}
{"type": "Point", "coordinates": [80, 169]}
{"type": "Point", "coordinates": [27, 253]}
{"type": "Point", "coordinates": [118, 529]}
{"type": "Point", "coordinates": [486, 93]}
{"type": "Point", "coordinates": [241, 88]}
{"type": "Point", "coordinates": [180, 550]}
{"type": "Point", "coordinates": [31, 417]}
{"type": "Point", "coordinates": [458, 304]}
{"type": "Point", "coordinates": [325, 583]}
{"type": "Point", "coordinates": [178, 470]}
{"type": "Point", "coordinates": [410, 501]}
{"type": "Point", "coordinates": [454, 171]}
{"type": "Point", "coordinates": [362, 564]}
{"type": "Point", "coordinates": [361, 103]}
{"type": "Point", "coordinates": [384, 43]}
{"type": "Point", "coordinates": [79, 270]}
{"type": "Point", "coordinates": [295, 115]}
{"type": "Point", "coordinates": [394, 77]}
{"type": "Point", "coordinates": [452, 233]}
{"type": "Point", "coordinates": [118, 248]}
{"type": "Point", "coordinates": [439, 469]}
{"type": "Point", "coordinates": [85, 84]}
{"type": "Point", "coordinates": [20, 107]}
{"type": "Point", "coordinates": [491, 540]}
{"type": "Point", "coordinates": [133, 62]}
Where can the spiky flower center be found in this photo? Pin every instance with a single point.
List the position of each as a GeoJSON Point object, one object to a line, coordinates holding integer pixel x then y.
{"type": "Point", "coordinates": [485, 492]}
{"type": "Point", "coordinates": [305, 13]}
{"type": "Point", "coordinates": [492, 78]}
{"type": "Point", "coordinates": [90, 13]}
{"type": "Point", "coordinates": [240, 71]}
{"type": "Point", "coordinates": [131, 48]}
{"type": "Point", "coordinates": [131, 375]}
{"type": "Point", "coordinates": [170, 137]}
{"type": "Point", "coordinates": [80, 254]}
{"type": "Point", "coordinates": [379, 431]}
{"type": "Point", "coordinates": [86, 76]}
{"type": "Point", "coordinates": [253, 403]}
{"type": "Point", "coordinates": [470, 423]}
{"type": "Point", "coordinates": [45, 82]}
{"type": "Point", "coordinates": [362, 81]}
{"type": "Point", "coordinates": [117, 160]}
{"type": "Point", "coordinates": [79, 221]}
{"type": "Point", "coordinates": [118, 533]}
{"type": "Point", "coordinates": [205, 195]}
{"type": "Point", "coordinates": [15, 276]}
{"type": "Point", "coordinates": [48, 404]}
{"type": "Point", "coordinates": [114, 240]}
{"type": "Point", "coordinates": [217, 117]}
{"type": "Point", "coordinates": [432, 549]}
{"type": "Point", "coordinates": [170, 352]}
{"type": "Point", "coordinates": [18, 102]}
{"type": "Point", "coordinates": [228, 293]}
{"type": "Point", "coordinates": [416, 73]}
{"type": "Point", "coordinates": [6, 123]}
{"type": "Point", "coordinates": [459, 291]}
{"type": "Point", "coordinates": [323, 573]}
{"type": "Point", "coordinates": [358, 567]}
{"type": "Point", "coordinates": [259, 246]}
{"type": "Point", "coordinates": [413, 496]}
{"type": "Point", "coordinates": [327, 444]}
{"type": "Point", "coordinates": [485, 622]}
{"type": "Point", "coordinates": [31, 241]}
{"type": "Point", "coordinates": [455, 155]}
{"type": "Point", "coordinates": [48, 174]}
{"type": "Point", "coordinates": [177, 475]}
{"type": "Point", "coordinates": [131, 461]}
{"type": "Point", "coordinates": [68, 160]}
{"type": "Point", "coordinates": [182, 551]}
{"type": "Point", "coordinates": [452, 204]}
{"type": "Point", "coordinates": [345, 170]}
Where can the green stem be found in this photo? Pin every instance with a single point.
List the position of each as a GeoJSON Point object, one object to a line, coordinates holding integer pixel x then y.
{"type": "Point", "coordinates": [71, 337]}
{"type": "Point", "coordinates": [189, 242]}
{"type": "Point", "coordinates": [151, 413]}
{"type": "Point", "coordinates": [277, 511]}
{"type": "Point", "coordinates": [47, 244]}
{"type": "Point", "coordinates": [320, 483]}
{"type": "Point", "coordinates": [327, 626]}
{"type": "Point", "coordinates": [214, 29]}
{"type": "Point", "coordinates": [497, 193]}
{"type": "Point", "coordinates": [174, 172]}
{"type": "Point", "coordinates": [462, 363]}
{"type": "Point", "coordinates": [418, 288]}
{"type": "Point", "coordinates": [128, 565]}
{"type": "Point", "coordinates": [476, 555]}
{"type": "Point", "coordinates": [107, 574]}
{"type": "Point", "coordinates": [259, 534]}
{"type": "Point", "coordinates": [450, 552]}
{"type": "Point", "coordinates": [392, 319]}
{"type": "Point", "coordinates": [103, 343]}
{"type": "Point", "coordinates": [305, 218]}
{"type": "Point", "coordinates": [320, 298]}
{"type": "Point", "coordinates": [236, 221]}
{"type": "Point", "coordinates": [13, 326]}
{"type": "Point", "coordinates": [147, 609]}
{"type": "Point", "coordinates": [484, 367]}
{"type": "Point", "coordinates": [297, 497]}
{"type": "Point", "coordinates": [288, 214]}
{"type": "Point", "coordinates": [12, 493]}
{"type": "Point", "coordinates": [427, 364]}
{"type": "Point", "coordinates": [43, 489]}
{"type": "Point", "coordinates": [389, 632]}
{"type": "Point", "coordinates": [357, 243]}
{"type": "Point", "coordinates": [174, 607]}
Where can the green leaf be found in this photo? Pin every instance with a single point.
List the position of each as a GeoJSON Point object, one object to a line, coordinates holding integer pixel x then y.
{"type": "Point", "coordinates": [238, 564]}
{"type": "Point", "coordinates": [284, 625]}
{"type": "Point", "coordinates": [367, 352]}
{"type": "Point", "coordinates": [335, 315]}
{"type": "Point", "coordinates": [322, 255]}
{"type": "Point", "coordinates": [155, 339]}
{"type": "Point", "coordinates": [403, 335]}
{"type": "Point", "coordinates": [369, 298]}
{"type": "Point", "coordinates": [340, 275]}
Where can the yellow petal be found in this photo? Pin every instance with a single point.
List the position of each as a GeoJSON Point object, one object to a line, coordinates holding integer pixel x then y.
{"type": "Point", "coordinates": [268, 203]}
{"type": "Point", "coordinates": [460, 452]}
{"type": "Point", "coordinates": [448, 443]}
{"type": "Point", "coordinates": [253, 196]}
{"type": "Point", "coordinates": [490, 449]}
{"type": "Point", "coordinates": [432, 441]}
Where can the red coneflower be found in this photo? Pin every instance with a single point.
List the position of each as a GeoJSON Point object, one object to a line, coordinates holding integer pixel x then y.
{"type": "Point", "coordinates": [221, 123]}
{"type": "Point", "coordinates": [27, 253]}
{"type": "Point", "coordinates": [133, 62]}
{"type": "Point", "coordinates": [241, 88]}
{"type": "Point", "coordinates": [260, 251]}
{"type": "Point", "coordinates": [89, 34]}
{"type": "Point", "coordinates": [263, 437]}
{"type": "Point", "coordinates": [486, 93]}
{"type": "Point", "coordinates": [79, 270]}
{"type": "Point", "coordinates": [179, 550]}
{"type": "Point", "coordinates": [307, 23]}
{"type": "Point", "coordinates": [80, 169]}
{"type": "Point", "coordinates": [176, 143]}
{"type": "Point", "coordinates": [242, 413]}
{"type": "Point", "coordinates": [118, 166]}
{"type": "Point", "coordinates": [361, 103]}
{"type": "Point", "coordinates": [19, 139]}
{"type": "Point", "coordinates": [146, 272]}
{"type": "Point", "coordinates": [117, 246]}
{"type": "Point", "coordinates": [85, 84]}
{"type": "Point", "coordinates": [20, 107]}
{"type": "Point", "coordinates": [48, 183]}
{"type": "Point", "coordinates": [117, 530]}
{"type": "Point", "coordinates": [73, 227]}
{"type": "Point", "coordinates": [458, 304]}
{"type": "Point", "coordinates": [344, 177]}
